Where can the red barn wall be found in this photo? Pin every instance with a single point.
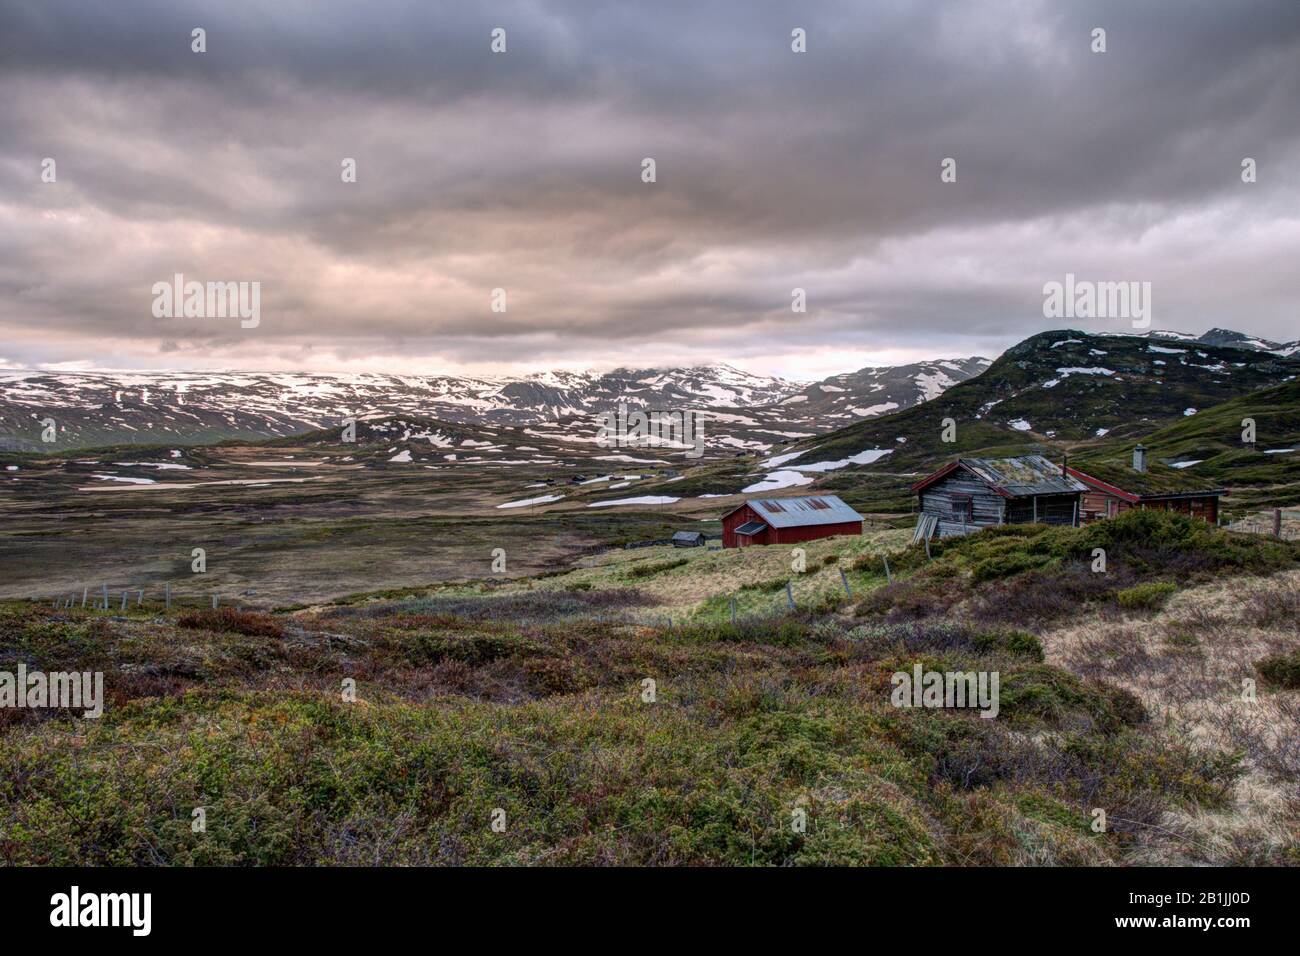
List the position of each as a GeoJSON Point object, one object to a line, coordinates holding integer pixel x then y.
{"type": "Point", "coordinates": [1205, 507]}
{"type": "Point", "coordinates": [734, 520]}
{"type": "Point", "coordinates": [814, 531]}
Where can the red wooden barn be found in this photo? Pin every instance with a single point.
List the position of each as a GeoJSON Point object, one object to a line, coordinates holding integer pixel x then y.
{"type": "Point", "coordinates": [788, 521]}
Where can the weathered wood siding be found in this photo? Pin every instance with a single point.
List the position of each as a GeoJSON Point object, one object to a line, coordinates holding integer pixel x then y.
{"type": "Point", "coordinates": [1098, 504]}
{"type": "Point", "coordinates": [1044, 509]}
{"type": "Point", "coordinates": [987, 507]}
{"type": "Point", "coordinates": [811, 532]}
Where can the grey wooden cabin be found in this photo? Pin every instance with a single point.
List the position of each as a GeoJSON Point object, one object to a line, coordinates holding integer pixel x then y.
{"type": "Point", "coordinates": [974, 493]}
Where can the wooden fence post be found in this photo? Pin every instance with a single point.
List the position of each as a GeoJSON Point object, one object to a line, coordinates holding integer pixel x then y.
{"type": "Point", "coordinates": [845, 578]}
{"type": "Point", "coordinates": [105, 597]}
{"type": "Point", "coordinates": [789, 595]}
{"type": "Point", "coordinates": [888, 575]}
{"type": "Point", "coordinates": [1277, 522]}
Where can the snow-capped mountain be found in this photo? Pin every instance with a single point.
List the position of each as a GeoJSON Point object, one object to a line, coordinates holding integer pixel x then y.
{"type": "Point", "coordinates": [551, 395]}
{"type": "Point", "coordinates": [1240, 340]}
{"type": "Point", "coordinates": [1228, 338]}
{"type": "Point", "coordinates": [876, 391]}
{"type": "Point", "coordinates": [745, 413]}
{"type": "Point", "coordinates": [103, 408]}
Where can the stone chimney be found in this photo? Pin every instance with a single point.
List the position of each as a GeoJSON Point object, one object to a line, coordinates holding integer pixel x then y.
{"type": "Point", "coordinates": [1140, 458]}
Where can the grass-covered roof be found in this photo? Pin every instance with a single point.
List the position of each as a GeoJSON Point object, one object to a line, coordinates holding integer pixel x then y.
{"type": "Point", "coordinates": [1159, 479]}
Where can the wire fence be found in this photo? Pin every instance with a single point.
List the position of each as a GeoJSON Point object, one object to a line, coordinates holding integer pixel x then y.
{"type": "Point", "coordinates": [104, 598]}
{"type": "Point", "coordinates": [1276, 523]}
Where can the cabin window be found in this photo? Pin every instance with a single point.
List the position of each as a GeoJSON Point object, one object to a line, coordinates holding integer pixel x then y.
{"type": "Point", "coordinates": [962, 508]}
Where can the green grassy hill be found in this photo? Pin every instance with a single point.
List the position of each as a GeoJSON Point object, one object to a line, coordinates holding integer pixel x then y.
{"type": "Point", "coordinates": [1213, 439]}
{"type": "Point", "coordinates": [607, 738]}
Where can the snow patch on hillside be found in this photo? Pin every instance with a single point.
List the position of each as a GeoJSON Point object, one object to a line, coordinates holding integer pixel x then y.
{"type": "Point", "coordinates": [542, 500]}
{"type": "Point", "coordinates": [643, 500]}
{"type": "Point", "coordinates": [778, 479]}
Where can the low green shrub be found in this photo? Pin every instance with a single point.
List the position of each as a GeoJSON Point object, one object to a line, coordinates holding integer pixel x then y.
{"type": "Point", "coordinates": [1005, 566]}
{"type": "Point", "coordinates": [1281, 670]}
{"type": "Point", "coordinates": [1019, 643]}
{"type": "Point", "coordinates": [655, 567]}
{"type": "Point", "coordinates": [1150, 596]}
{"type": "Point", "coordinates": [1043, 693]}
{"type": "Point", "coordinates": [1149, 542]}
{"type": "Point", "coordinates": [767, 587]}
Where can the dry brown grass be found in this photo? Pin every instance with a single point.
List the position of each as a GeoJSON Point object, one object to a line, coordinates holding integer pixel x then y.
{"type": "Point", "coordinates": [1188, 663]}
{"type": "Point", "coordinates": [708, 573]}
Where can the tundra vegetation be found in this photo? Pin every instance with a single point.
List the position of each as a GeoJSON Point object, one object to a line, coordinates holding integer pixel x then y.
{"type": "Point", "coordinates": [1120, 691]}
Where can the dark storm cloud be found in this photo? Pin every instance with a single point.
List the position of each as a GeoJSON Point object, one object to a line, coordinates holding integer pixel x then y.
{"type": "Point", "coordinates": [775, 170]}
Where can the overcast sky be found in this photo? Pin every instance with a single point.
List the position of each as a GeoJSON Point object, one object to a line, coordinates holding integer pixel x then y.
{"type": "Point", "coordinates": [522, 170]}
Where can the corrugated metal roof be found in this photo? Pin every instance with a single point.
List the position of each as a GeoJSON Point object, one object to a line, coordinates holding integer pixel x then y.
{"type": "Point", "coordinates": [803, 511]}
{"type": "Point", "coordinates": [1027, 475]}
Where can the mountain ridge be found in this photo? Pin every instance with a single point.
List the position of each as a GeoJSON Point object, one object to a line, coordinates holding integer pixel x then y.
{"type": "Point", "coordinates": [752, 413]}
{"type": "Point", "coordinates": [108, 408]}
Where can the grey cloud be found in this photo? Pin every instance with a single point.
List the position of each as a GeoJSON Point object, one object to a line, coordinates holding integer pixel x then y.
{"type": "Point", "coordinates": [521, 171]}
